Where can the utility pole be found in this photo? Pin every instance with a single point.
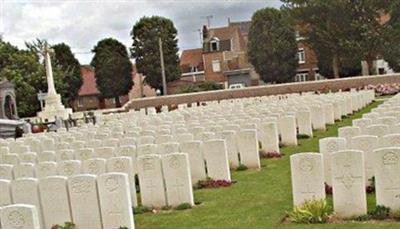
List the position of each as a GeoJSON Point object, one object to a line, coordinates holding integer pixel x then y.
{"type": "Point", "coordinates": [164, 80]}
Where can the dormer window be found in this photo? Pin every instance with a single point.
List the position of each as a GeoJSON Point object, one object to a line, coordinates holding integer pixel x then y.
{"type": "Point", "coordinates": [214, 44]}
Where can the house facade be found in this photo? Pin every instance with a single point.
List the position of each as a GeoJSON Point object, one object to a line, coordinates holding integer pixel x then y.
{"type": "Point", "coordinates": [89, 98]}
{"type": "Point", "coordinates": [224, 59]}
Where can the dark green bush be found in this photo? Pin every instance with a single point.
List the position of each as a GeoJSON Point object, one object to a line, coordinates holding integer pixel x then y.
{"type": "Point", "coordinates": [302, 136]}
{"type": "Point", "coordinates": [380, 212]}
{"type": "Point", "coordinates": [183, 206]}
{"type": "Point", "coordinates": [241, 167]}
{"type": "Point", "coordinates": [204, 86]}
{"type": "Point", "coordinates": [141, 210]}
{"type": "Point", "coordinates": [67, 225]}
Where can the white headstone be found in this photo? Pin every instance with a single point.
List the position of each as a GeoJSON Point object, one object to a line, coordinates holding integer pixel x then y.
{"type": "Point", "coordinates": [348, 182]}
{"type": "Point", "coordinates": [248, 148]}
{"type": "Point", "coordinates": [178, 184]}
{"type": "Point", "coordinates": [270, 137]}
{"type": "Point", "coordinates": [84, 154]}
{"type": "Point", "coordinates": [287, 126]}
{"type": "Point", "coordinates": [6, 172]}
{"type": "Point", "coordinates": [115, 201]}
{"type": "Point", "coordinates": [44, 169]}
{"type": "Point", "coordinates": [327, 146]}
{"type": "Point", "coordinates": [194, 149]}
{"type": "Point", "coordinates": [23, 170]}
{"type": "Point", "coordinates": [84, 201]}
{"type": "Point", "coordinates": [304, 123]}
{"type": "Point", "coordinates": [151, 181]}
{"type": "Point", "coordinates": [95, 166]}
{"type": "Point", "coordinates": [387, 179]}
{"type": "Point", "coordinates": [25, 191]}
{"type": "Point", "coordinates": [367, 144]}
{"type": "Point", "coordinates": [55, 201]}
{"type": "Point", "coordinates": [5, 190]}
{"type": "Point", "coordinates": [46, 156]}
{"type": "Point", "coordinates": [166, 148]}
{"type": "Point", "coordinates": [69, 168]}
{"type": "Point", "coordinates": [348, 133]}
{"type": "Point", "coordinates": [317, 117]}
{"type": "Point", "coordinates": [104, 152]}
{"type": "Point", "coordinates": [19, 216]}
{"type": "Point", "coordinates": [216, 157]}
{"type": "Point", "coordinates": [124, 165]}
{"type": "Point", "coordinates": [28, 158]}
{"type": "Point", "coordinates": [307, 177]}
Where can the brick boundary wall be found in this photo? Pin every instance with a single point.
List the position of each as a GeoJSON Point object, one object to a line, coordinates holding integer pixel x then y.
{"type": "Point", "coordinates": [276, 89]}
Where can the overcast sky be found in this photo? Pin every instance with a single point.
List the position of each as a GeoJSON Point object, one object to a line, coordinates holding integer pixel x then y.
{"type": "Point", "coordinates": [81, 23]}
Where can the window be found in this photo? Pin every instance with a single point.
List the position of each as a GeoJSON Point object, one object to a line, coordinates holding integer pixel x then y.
{"type": "Point", "coordinates": [216, 66]}
{"type": "Point", "coordinates": [80, 102]}
{"type": "Point", "coordinates": [300, 77]}
{"type": "Point", "coordinates": [214, 44]}
{"type": "Point", "coordinates": [301, 56]}
{"type": "Point", "coordinates": [194, 69]}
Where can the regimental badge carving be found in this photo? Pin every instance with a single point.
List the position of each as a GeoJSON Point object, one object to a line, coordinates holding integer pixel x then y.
{"type": "Point", "coordinates": [332, 146]}
{"type": "Point", "coordinates": [119, 166]}
{"type": "Point", "coordinates": [395, 141]}
{"type": "Point", "coordinates": [306, 165]}
{"type": "Point", "coordinates": [364, 145]}
{"type": "Point", "coordinates": [390, 158]}
{"type": "Point", "coordinates": [174, 162]}
{"type": "Point", "coordinates": [112, 184]}
{"type": "Point", "coordinates": [16, 219]}
{"type": "Point", "coordinates": [93, 167]}
{"type": "Point", "coordinates": [80, 186]}
{"type": "Point", "coordinates": [148, 165]}
{"type": "Point", "coordinates": [68, 169]}
{"type": "Point", "coordinates": [3, 172]}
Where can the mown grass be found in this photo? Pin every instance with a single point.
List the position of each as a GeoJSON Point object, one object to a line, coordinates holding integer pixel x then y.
{"type": "Point", "coordinates": [259, 199]}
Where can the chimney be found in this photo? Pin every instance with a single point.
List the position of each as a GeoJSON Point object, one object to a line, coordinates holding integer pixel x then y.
{"type": "Point", "coordinates": [229, 21]}
{"type": "Point", "coordinates": [205, 32]}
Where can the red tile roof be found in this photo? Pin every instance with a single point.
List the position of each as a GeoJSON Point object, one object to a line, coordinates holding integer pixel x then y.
{"type": "Point", "coordinates": [89, 81]}
{"type": "Point", "coordinates": [192, 57]}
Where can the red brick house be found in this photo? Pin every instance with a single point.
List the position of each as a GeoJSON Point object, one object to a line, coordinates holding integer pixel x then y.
{"type": "Point", "coordinates": [89, 97]}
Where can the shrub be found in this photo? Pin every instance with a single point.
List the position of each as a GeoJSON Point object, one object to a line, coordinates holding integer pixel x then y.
{"type": "Point", "coordinates": [362, 218]}
{"type": "Point", "coordinates": [183, 206]}
{"type": "Point", "coordinates": [302, 136]}
{"type": "Point", "coordinates": [396, 215]}
{"type": "Point", "coordinates": [371, 188]}
{"type": "Point", "coordinates": [380, 212]}
{"type": "Point", "coordinates": [123, 228]}
{"type": "Point", "coordinates": [241, 167]}
{"type": "Point", "coordinates": [141, 210]}
{"type": "Point", "coordinates": [67, 225]}
{"type": "Point", "coordinates": [204, 86]}
{"type": "Point", "coordinates": [166, 208]}
{"type": "Point", "coordinates": [313, 211]}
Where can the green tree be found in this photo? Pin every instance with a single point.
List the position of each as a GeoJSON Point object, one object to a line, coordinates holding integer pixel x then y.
{"type": "Point", "coordinates": [272, 47]}
{"type": "Point", "coordinates": [113, 69]}
{"type": "Point", "coordinates": [69, 65]}
{"type": "Point", "coordinates": [343, 28]}
{"type": "Point", "coordinates": [24, 69]}
{"type": "Point", "coordinates": [145, 49]}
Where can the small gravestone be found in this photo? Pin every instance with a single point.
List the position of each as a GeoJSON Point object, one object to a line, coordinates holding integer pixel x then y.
{"type": "Point", "coordinates": [65, 155]}
{"type": "Point", "coordinates": [19, 216]}
{"type": "Point", "coordinates": [307, 177]}
{"type": "Point", "coordinates": [69, 168]}
{"type": "Point", "coordinates": [327, 146]}
{"type": "Point", "coordinates": [151, 181]}
{"type": "Point", "coordinates": [176, 170]}
{"type": "Point", "coordinates": [46, 156]}
{"type": "Point", "coordinates": [23, 170]}
{"type": "Point", "coordinates": [194, 149]}
{"type": "Point", "coordinates": [231, 146]}
{"type": "Point", "coordinates": [348, 183]}
{"type": "Point", "coordinates": [95, 166]}
{"type": "Point", "coordinates": [304, 122]}
{"type": "Point", "coordinates": [84, 154]}
{"type": "Point", "coordinates": [248, 148]}
{"type": "Point", "coordinates": [25, 191]}
{"type": "Point", "coordinates": [287, 127]}
{"type": "Point", "coordinates": [348, 133]}
{"type": "Point", "coordinates": [124, 165]}
{"type": "Point", "coordinates": [317, 117]}
{"type": "Point", "coordinates": [216, 157]}
{"type": "Point", "coordinates": [270, 137]}
{"type": "Point", "coordinates": [367, 144]}
{"type": "Point", "coordinates": [28, 158]}
{"type": "Point", "coordinates": [387, 179]}
{"type": "Point", "coordinates": [84, 201]}
{"type": "Point", "coordinates": [115, 200]}
{"type": "Point", "coordinates": [6, 171]}
{"type": "Point", "coordinates": [5, 190]}
{"type": "Point", "coordinates": [104, 152]}
{"type": "Point", "coordinates": [55, 201]}
{"type": "Point", "coordinates": [45, 169]}
{"type": "Point", "coordinates": [146, 149]}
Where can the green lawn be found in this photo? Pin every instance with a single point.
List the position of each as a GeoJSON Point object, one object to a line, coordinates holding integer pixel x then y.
{"type": "Point", "coordinates": [259, 199]}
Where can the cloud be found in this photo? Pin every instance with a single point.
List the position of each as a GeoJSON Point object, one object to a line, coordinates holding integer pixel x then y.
{"type": "Point", "coordinates": [82, 23]}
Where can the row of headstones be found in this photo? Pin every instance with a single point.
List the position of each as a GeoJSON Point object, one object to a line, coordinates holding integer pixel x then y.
{"type": "Point", "coordinates": [95, 202]}
{"type": "Point", "coordinates": [242, 148]}
{"type": "Point", "coordinates": [348, 179]}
